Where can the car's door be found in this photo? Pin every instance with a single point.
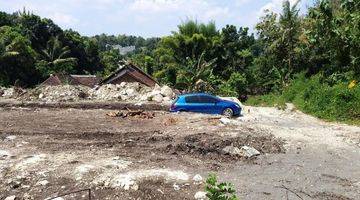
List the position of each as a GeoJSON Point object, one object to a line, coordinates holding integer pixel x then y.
{"type": "Point", "coordinates": [208, 104]}
{"type": "Point", "coordinates": [193, 103]}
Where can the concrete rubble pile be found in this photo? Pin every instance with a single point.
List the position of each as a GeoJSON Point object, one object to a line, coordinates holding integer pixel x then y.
{"type": "Point", "coordinates": [58, 93]}
{"type": "Point", "coordinates": [132, 92]}
{"type": "Point", "coordinates": [126, 92]}
{"type": "Point", "coordinates": [7, 92]}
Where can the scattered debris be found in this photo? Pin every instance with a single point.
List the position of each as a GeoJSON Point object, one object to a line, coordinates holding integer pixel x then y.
{"type": "Point", "coordinates": [215, 146]}
{"type": "Point", "coordinates": [129, 180]}
{"type": "Point", "coordinates": [170, 121]}
{"type": "Point", "coordinates": [176, 187]}
{"type": "Point", "coordinates": [200, 195]}
{"type": "Point", "coordinates": [82, 170]}
{"type": "Point", "coordinates": [130, 92]}
{"type": "Point", "coordinates": [132, 113]}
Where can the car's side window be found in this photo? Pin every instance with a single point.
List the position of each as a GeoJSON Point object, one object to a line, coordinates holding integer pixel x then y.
{"type": "Point", "coordinates": [192, 99]}
{"type": "Point", "coordinates": [207, 99]}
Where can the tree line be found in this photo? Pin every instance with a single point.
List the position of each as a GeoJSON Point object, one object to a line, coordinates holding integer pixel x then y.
{"type": "Point", "coordinates": [197, 57]}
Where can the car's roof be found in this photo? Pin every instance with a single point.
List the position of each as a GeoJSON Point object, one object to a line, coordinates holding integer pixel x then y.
{"type": "Point", "coordinates": [196, 94]}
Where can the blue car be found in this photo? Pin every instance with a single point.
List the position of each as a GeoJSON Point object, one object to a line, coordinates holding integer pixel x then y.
{"type": "Point", "coordinates": [205, 103]}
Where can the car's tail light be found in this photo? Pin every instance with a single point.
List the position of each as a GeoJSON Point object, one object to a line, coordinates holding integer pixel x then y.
{"type": "Point", "coordinates": [173, 107]}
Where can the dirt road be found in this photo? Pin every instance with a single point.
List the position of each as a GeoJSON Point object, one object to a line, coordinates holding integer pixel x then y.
{"type": "Point", "coordinates": [49, 152]}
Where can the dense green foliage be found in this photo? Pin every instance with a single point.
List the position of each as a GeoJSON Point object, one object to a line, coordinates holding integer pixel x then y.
{"type": "Point", "coordinates": [324, 42]}
{"type": "Point", "coordinates": [32, 48]}
{"type": "Point", "coordinates": [219, 191]}
{"type": "Point", "coordinates": [332, 102]}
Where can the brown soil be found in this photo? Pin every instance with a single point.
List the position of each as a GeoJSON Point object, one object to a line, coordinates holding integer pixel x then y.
{"type": "Point", "coordinates": [75, 149]}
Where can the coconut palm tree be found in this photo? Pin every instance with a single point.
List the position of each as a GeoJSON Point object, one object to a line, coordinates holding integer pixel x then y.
{"type": "Point", "coordinates": [55, 58]}
{"type": "Point", "coordinates": [5, 51]}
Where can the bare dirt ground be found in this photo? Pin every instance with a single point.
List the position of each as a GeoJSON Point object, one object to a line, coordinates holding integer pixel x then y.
{"type": "Point", "coordinates": [48, 152]}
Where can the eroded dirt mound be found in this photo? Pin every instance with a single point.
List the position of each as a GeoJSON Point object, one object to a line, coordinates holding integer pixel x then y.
{"type": "Point", "coordinates": [212, 145]}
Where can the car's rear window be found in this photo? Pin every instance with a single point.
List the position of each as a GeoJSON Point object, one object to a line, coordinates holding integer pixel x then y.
{"type": "Point", "coordinates": [207, 99]}
{"type": "Point", "coordinates": [192, 99]}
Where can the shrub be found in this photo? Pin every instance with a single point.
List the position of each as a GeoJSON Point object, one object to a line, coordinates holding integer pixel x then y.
{"type": "Point", "coordinates": [219, 191]}
{"type": "Point", "coordinates": [332, 102]}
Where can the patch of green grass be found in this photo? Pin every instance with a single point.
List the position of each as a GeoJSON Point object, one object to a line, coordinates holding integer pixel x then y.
{"type": "Point", "coordinates": [276, 100]}
{"type": "Point", "coordinates": [332, 103]}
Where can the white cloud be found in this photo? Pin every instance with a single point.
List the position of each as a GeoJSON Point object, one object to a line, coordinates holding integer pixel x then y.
{"type": "Point", "coordinates": [143, 17]}
{"type": "Point", "coordinates": [199, 9]}
{"type": "Point", "coordinates": [275, 6]}
{"type": "Point", "coordinates": [64, 19]}
{"type": "Point", "coordinates": [241, 2]}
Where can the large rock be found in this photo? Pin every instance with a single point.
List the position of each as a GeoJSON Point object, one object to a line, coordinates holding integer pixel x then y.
{"type": "Point", "coordinates": [249, 151]}
{"type": "Point", "coordinates": [231, 150]}
{"type": "Point", "coordinates": [166, 91]}
{"type": "Point", "coordinates": [131, 92]}
{"type": "Point", "coordinates": [157, 98]}
{"type": "Point", "coordinates": [13, 197]}
{"type": "Point", "coordinates": [157, 87]}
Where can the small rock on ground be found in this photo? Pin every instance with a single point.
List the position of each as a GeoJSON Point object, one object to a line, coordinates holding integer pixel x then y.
{"type": "Point", "coordinates": [197, 178]}
{"type": "Point", "coordinates": [225, 120]}
{"type": "Point", "coordinates": [200, 195]}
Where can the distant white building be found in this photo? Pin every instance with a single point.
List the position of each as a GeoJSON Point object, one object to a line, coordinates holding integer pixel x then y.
{"type": "Point", "coordinates": [123, 50]}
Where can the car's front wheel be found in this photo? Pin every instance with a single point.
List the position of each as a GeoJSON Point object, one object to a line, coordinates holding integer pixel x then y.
{"type": "Point", "coordinates": [228, 112]}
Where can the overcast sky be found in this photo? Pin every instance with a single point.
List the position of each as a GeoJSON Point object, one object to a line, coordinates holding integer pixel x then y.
{"type": "Point", "coordinates": [145, 17]}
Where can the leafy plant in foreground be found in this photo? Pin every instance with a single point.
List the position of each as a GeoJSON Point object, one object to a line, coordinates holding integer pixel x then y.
{"type": "Point", "coordinates": [219, 191]}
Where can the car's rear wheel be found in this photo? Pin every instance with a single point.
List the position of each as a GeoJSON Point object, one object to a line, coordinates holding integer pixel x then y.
{"type": "Point", "coordinates": [228, 112]}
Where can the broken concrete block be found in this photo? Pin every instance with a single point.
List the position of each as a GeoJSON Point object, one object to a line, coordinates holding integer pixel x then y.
{"type": "Point", "coordinates": [167, 99]}
{"type": "Point", "coordinates": [58, 198]}
{"type": "Point", "coordinates": [12, 197]}
{"type": "Point", "coordinates": [158, 98]}
{"type": "Point", "coordinates": [131, 92]}
{"type": "Point", "coordinates": [4, 155]}
{"type": "Point", "coordinates": [122, 84]}
{"type": "Point", "coordinates": [9, 92]}
{"type": "Point", "coordinates": [231, 150]}
{"type": "Point", "coordinates": [11, 137]}
{"type": "Point", "coordinates": [176, 187]}
{"type": "Point", "coordinates": [200, 195]}
{"type": "Point", "coordinates": [43, 182]}
{"type": "Point", "coordinates": [249, 151]}
{"type": "Point", "coordinates": [225, 120]}
{"type": "Point", "coordinates": [157, 87]}
{"type": "Point", "coordinates": [166, 91]}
